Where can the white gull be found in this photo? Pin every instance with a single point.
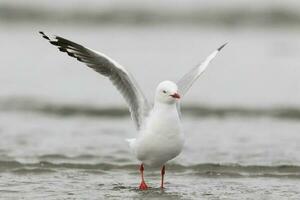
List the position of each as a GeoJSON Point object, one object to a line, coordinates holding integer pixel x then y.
{"type": "Point", "coordinates": [160, 137]}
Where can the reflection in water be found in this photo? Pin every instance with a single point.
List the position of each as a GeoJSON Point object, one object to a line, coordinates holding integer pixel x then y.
{"type": "Point", "coordinates": [151, 193]}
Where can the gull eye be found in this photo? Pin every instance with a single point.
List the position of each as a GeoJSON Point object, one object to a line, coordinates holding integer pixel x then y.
{"type": "Point", "coordinates": [164, 91]}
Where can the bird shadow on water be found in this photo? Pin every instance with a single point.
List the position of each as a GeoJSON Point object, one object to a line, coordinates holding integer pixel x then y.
{"type": "Point", "coordinates": [149, 193]}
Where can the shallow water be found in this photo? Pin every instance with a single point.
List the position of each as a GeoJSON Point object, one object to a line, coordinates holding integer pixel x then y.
{"type": "Point", "coordinates": [63, 127]}
{"type": "Point", "coordinates": [87, 158]}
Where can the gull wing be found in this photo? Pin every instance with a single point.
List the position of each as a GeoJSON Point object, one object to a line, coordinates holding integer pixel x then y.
{"type": "Point", "coordinates": [189, 78]}
{"type": "Point", "coordinates": [118, 75]}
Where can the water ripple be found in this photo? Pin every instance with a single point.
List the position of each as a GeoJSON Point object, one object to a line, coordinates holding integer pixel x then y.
{"type": "Point", "coordinates": [204, 169]}
{"type": "Point", "coordinates": [67, 110]}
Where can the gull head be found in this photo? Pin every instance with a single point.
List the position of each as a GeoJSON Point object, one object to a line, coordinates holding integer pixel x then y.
{"type": "Point", "coordinates": [167, 92]}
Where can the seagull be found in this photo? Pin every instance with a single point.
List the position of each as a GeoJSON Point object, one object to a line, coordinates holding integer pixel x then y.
{"type": "Point", "coordinates": [160, 136]}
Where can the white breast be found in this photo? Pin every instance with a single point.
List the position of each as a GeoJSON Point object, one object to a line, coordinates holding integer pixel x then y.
{"type": "Point", "coordinates": [162, 138]}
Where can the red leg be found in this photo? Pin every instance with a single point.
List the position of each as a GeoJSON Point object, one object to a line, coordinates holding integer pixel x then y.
{"type": "Point", "coordinates": [143, 185]}
{"type": "Point", "coordinates": [163, 171]}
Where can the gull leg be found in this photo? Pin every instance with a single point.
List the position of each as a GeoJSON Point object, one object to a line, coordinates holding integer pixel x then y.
{"type": "Point", "coordinates": [143, 185]}
{"type": "Point", "coordinates": [163, 171]}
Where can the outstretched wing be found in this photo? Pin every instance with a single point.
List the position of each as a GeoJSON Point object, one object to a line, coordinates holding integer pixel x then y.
{"type": "Point", "coordinates": [188, 79]}
{"type": "Point", "coordinates": [118, 75]}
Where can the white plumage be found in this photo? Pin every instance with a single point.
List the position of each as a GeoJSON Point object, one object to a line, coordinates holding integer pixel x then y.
{"type": "Point", "coordinates": [160, 137]}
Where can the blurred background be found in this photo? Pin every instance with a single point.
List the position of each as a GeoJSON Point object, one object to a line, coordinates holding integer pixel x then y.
{"type": "Point", "coordinates": [63, 125]}
{"type": "Point", "coordinates": [162, 38]}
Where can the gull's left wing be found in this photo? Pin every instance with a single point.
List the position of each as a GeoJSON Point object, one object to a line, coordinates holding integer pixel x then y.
{"type": "Point", "coordinates": [188, 79]}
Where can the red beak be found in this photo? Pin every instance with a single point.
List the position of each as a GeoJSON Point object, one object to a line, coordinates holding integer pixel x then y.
{"type": "Point", "coordinates": [175, 95]}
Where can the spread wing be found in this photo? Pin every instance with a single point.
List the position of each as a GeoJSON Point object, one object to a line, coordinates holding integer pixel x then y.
{"type": "Point", "coordinates": [189, 78]}
{"type": "Point", "coordinates": [119, 76]}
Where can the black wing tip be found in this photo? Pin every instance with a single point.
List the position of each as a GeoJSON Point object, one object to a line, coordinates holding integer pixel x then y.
{"type": "Point", "coordinates": [221, 47]}
{"type": "Point", "coordinates": [44, 35]}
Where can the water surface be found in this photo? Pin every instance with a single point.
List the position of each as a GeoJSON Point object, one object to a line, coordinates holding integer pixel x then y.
{"type": "Point", "coordinates": [63, 127]}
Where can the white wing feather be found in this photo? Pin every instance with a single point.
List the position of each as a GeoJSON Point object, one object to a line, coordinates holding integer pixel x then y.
{"type": "Point", "coordinates": [186, 82]}
{"type": "Point", "coordinates": [119, 76]}
{"type": "Point", "coordinates": [189, 78]}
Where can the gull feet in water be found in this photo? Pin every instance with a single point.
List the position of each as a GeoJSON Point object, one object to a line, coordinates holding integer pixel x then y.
{"type": "Point", "coordinates": [143, 186]}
